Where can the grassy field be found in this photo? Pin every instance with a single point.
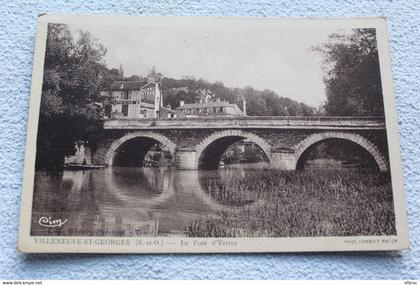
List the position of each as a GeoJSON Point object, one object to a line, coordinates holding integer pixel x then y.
{"type": "Point", "coordinates": [272, 203]}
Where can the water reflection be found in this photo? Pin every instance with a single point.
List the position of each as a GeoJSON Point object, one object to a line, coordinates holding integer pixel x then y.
{"type": "Point", "coordinates": [128, 201]}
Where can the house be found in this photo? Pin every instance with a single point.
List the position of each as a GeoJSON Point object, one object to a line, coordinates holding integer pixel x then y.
{"type": "Point", "coordinates": [167, 112]}
{"type": "Point", "coordinates": [133, 99]}
{"type": "Point", "coordinates": [208, 105]}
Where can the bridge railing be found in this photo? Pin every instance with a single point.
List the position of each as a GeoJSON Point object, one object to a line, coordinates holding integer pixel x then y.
{"type": "Point", "coordinates": [312, 122]}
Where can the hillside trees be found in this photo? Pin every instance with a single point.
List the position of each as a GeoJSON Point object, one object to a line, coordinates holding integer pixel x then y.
{"type": "Point", "coordinates": [259, 103]}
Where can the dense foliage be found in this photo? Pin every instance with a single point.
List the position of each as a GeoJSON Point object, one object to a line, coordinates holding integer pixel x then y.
{"type": "Point", "coordinates": [73, 72]}
{"type": "Point", "coordinates": [352, 80]}
{"type": "Point", "coordinates": [250, 154]}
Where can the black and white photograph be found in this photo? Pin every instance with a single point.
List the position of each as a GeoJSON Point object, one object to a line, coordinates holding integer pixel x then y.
{"type": "Point", "coordinates": [177, 134]}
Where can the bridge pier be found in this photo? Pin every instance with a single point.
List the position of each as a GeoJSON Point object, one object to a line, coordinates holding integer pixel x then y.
{"type": "Point", "coordinates": [185, 158]}
{"type": "Point", "coordinates": [283, 159]}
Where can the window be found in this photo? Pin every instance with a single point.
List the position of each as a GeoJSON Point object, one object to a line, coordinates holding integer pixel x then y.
{"type": "Point", "coordinates": [124, 110]}
{"type": "Point", "coordinates": [125, 94]}
{"type": "Point", "coordinates": [147, 96]}
{"type": "Point", "coordinates": [108, 110]}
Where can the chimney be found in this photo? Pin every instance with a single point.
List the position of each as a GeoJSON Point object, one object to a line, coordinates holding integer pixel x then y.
{"type": "Point", "coordinates": [181, 103]}
{"type": "Point", "coordinates": [243, 106]}
{"type": "Point", "coordinates": [218, 99]}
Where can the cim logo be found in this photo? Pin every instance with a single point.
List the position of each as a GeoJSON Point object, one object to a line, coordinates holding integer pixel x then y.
{"type": "Point", "coordinates": [51, 223]}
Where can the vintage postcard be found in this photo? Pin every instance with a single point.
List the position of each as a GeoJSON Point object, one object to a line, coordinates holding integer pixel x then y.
{"type": "Point", "coordinates": [206, 134]}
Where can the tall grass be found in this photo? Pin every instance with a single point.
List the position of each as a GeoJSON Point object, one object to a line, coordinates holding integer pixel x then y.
{"type": "Point", "coordinates": [273, 203]}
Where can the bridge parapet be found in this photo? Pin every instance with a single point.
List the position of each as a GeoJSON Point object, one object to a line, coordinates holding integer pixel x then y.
{"type": "Point", "coordinates": [199, 143]}
{"type": "Point", "coordinates": [250, 122]}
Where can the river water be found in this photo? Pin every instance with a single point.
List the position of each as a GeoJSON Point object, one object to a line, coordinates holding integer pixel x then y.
{"type": "Point", "coordinates": [126, 201]}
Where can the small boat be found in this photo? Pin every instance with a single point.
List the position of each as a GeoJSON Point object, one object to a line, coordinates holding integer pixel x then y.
{"type": "Point", "coordinates": [77, 166]}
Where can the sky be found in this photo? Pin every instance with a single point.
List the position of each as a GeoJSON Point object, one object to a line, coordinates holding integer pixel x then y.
{"type": "Point", "coordinates": [269, 56]}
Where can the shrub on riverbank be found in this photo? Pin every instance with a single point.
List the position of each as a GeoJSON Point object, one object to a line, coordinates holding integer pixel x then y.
{"type": "Point", "coordinates": [309, 203]}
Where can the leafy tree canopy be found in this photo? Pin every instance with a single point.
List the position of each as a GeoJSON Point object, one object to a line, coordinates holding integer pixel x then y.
{"type": "Point", "coordinates": [73, 73]}
{"type": "Point", "coordinates": [352, 74]}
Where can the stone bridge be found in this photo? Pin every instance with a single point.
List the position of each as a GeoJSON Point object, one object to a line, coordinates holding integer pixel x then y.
{"type": "Point", "coordinates": [196, 143]}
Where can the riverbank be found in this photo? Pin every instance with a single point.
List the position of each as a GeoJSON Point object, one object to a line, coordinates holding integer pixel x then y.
{"type": "Point", "coordinates": [272, 203]}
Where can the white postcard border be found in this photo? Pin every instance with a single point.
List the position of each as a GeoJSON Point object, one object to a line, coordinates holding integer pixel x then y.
{"type": "Point", "coordinates": [29, 243]}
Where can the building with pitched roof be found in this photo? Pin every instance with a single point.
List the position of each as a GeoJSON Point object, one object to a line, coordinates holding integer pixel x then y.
{"type": "Point", "coordinates": [133, 99]}
{"type": "Point", "coordinates": [208, 105]}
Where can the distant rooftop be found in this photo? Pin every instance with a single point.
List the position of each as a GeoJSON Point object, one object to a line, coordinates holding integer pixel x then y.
{"type": "Point", "coordinates": [205, 105]}
{"type": "Point", "coordinates": [168, 110]}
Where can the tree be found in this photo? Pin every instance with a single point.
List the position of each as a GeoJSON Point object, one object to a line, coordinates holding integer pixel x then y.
{"type": "Point", "coordinates": [275, 107]}
{"type": "Point", "coordinates": [253, 154]}
{"type": "Point", "coordinates": [352, 79]}
{"type": "Point", "coordinates": [73, 74]}
{"type": "Point", "coordinates": [121, 71]}
{"type": "Point", "coordinates": [232, 155]}
{"type": "Point", "coordinates": [155, 75]}
{"type": "Point", "coordinates": [256, 105]}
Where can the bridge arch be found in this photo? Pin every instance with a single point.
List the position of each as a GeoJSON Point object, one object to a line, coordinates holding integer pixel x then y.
{"type": "Point", "coordinates": [211, 149]}
{"type": "Point", "coordinates": [317, 138]}
{"type": "Point", "coordinates": [113, 148]}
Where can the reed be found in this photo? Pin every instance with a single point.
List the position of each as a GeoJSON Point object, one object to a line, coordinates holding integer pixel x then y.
{"type": "Point", "coordinates": [273, 203]}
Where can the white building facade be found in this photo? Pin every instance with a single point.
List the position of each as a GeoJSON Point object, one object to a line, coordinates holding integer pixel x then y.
{"type": "Point", "coordinates": [133, 99]}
